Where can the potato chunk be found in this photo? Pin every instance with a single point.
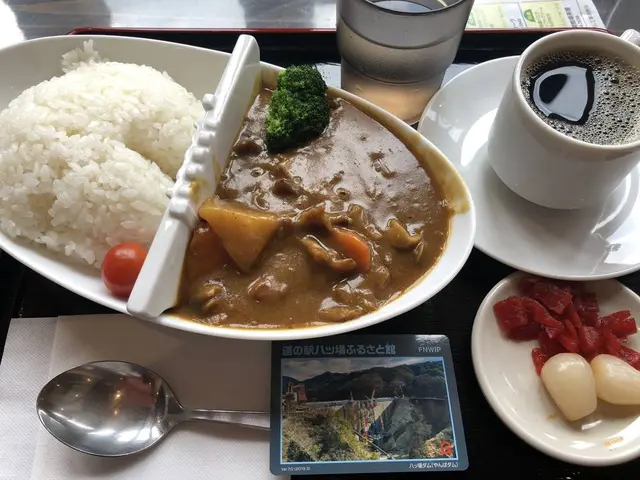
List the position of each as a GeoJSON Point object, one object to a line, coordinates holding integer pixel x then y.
{"type": "Point", "coordinates": [243, 232]}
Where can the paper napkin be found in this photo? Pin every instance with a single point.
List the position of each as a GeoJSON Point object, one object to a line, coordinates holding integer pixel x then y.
{"type": "Point", "coordinates": [205, 372]}
{"type": "Point", "coordinates": [23, 371]}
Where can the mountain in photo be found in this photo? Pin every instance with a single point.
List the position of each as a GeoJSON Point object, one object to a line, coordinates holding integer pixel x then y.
{"type": "Point", "coordinates": [415, 380]}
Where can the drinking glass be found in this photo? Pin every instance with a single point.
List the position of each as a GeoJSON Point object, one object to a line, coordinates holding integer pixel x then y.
{"type": "Point", "coordinates": [395, 52]}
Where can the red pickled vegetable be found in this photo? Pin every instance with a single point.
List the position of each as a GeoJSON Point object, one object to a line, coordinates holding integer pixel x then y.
{"type": "Point", "coordinates": [554, 333]}
{"type": "Point", "coordinates": [524, 333]}
{"type": "Point", "coordinates": [539, 359]}
{"type": "Point", "coordinates": [569, 338]}
{"type": "Point", "coordinates": [510, 313]}
{"type": "Point", "coordinates": [537, 313]}
{"type": "Point", "coordinates": [572, 315]}
{"type": "Point", "coordinates": [590, 341]}
{"type": "Point", "coordinates": [549, 346]}
{"type": "Point", "coordinates": [611, 342]}
{"type": "Point", "coordinates": [562, 317]}
{"type": "Point", "coordinates": [551, 296]}
{"type": "Point", "coordinates": [586, 305]}
{"type": "Point", "coordinates": [569, 330]}
{"type": "Point", "coordinates": [621, 323]}
{"type": "Point", "coordinates": [630, 356]}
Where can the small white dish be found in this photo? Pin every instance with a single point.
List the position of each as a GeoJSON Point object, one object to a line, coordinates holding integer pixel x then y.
{"type": "Point", "coordinates": [590, 244]}
{"type": "Point", "coordinates": [508, 379]}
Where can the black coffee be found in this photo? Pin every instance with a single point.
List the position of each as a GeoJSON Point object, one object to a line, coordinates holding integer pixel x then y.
{"type": "Point", "coordinates": [589, 96]}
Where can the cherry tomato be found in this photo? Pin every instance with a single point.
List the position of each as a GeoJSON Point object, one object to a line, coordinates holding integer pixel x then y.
{"type": "Point", "coordinates": [121, 267]}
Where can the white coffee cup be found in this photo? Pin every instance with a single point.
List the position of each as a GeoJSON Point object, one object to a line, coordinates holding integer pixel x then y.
{"type": "Point", "coordinates": [544, 165]}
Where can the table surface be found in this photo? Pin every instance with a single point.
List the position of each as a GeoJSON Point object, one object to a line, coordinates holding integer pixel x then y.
{"type": "Point", "coordinates": [26, 19]}
{"type": "Point", "coordinates": [22, 19]}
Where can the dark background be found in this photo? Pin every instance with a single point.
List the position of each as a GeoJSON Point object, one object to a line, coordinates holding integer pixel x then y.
{"type": "Point", "coordinates": [493, 449]}
{"type": "Point", "coordinates": [37, 18]}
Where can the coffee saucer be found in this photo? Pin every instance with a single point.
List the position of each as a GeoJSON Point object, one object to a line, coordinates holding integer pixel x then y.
{"type": "Point", "coordinates": [589, 244]}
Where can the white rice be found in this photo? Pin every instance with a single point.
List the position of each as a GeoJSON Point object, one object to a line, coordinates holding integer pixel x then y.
{"type": "Point", "coordinates": [87, 158]}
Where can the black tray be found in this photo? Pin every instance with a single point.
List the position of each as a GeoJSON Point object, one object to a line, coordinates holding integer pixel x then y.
{"type": "Point", "coordinates": [493, 449]}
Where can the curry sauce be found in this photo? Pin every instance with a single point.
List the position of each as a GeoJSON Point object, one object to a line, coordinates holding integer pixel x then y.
{"type": "Point", "coordinates": [323, 233]}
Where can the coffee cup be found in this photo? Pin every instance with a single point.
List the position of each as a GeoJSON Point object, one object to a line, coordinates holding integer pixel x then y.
{"type": "Point", "coordinates": [540, 144]}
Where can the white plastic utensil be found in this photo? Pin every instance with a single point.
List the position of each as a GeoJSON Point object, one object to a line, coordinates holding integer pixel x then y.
{"type": "Point", "coordinates": [157, 286]}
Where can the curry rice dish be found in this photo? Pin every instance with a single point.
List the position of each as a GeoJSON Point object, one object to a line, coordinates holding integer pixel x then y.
{"type": "Point", "coordinates": [318, 234]}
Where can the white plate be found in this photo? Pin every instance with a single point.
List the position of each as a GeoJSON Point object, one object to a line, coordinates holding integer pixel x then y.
{"type": "Point", "coordinates": [596, 243]}
{"type": "Point", "coordinates": [199, 71]}
{"type": "Point", "coordinates": [510, 384]}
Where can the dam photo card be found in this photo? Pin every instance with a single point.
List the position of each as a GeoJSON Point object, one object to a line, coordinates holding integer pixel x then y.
{"type": "Point", "coordinates": [365, 404]}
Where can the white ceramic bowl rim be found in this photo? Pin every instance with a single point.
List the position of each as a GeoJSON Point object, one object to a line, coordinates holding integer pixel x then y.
{"type": "Point", "coordinates": [456, 253]}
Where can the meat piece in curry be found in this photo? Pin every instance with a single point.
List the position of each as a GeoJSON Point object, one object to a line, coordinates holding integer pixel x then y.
{"type": "Point", "coordinates": [322, 233]}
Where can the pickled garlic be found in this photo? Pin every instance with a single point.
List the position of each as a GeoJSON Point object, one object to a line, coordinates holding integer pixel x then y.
{"type": "Point", "coordinates": [617, 382]}
{"type": "Point", "coordinates": [571, 384]}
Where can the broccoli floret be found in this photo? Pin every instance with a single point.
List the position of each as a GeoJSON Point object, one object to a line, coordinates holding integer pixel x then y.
{"type": "Point", "coordinates": [294, 121]}
{"type": "Point", "coordinates": [302, 79]}
{"type": "Point", "coordinates": [298, 111]}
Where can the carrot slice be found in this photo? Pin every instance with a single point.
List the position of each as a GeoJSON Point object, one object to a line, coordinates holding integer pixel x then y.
{"type": "Point", "coordinates": [205, 252]}
{"type": "Point", "coordinates": [353, 246]}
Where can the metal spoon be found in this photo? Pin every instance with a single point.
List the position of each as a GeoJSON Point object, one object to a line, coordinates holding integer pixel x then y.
{"type": "Point", "coordinates": [111, 409]}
